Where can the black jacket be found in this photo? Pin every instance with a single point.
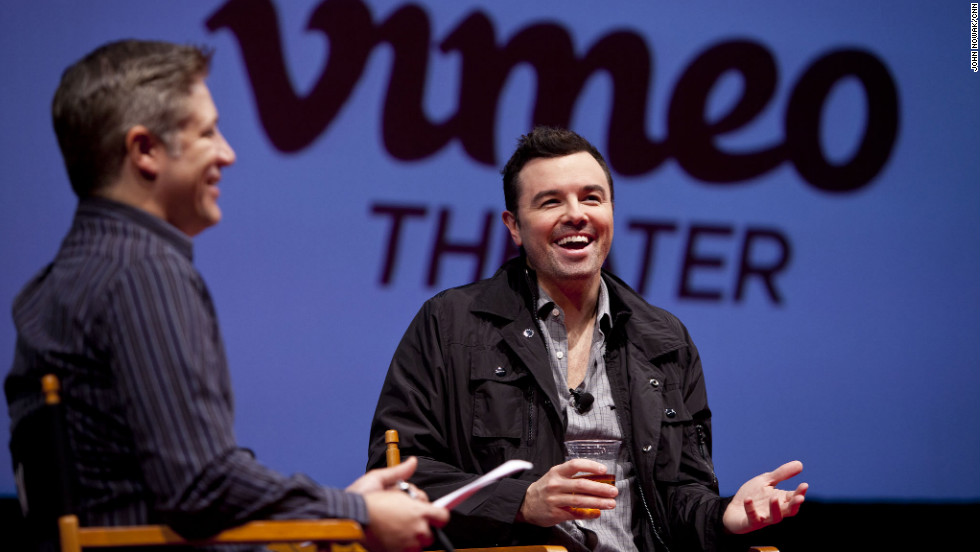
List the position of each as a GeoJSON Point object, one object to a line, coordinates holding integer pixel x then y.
{"type": "Point", "coordinates": [470, 387]}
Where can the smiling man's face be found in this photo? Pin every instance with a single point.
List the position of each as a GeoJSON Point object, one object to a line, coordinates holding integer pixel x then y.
{"type": "Point", "coordinates": [564, 219]}
{"type": "Point", "coordinates": [187, 182]}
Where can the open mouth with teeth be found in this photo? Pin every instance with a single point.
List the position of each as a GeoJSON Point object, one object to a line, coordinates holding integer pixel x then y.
{"type": "Point", "coordinates": [574, 242]}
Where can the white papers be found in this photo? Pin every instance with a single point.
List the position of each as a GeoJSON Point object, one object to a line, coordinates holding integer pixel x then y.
{"type": "Point", "coordinates": [459, 495]}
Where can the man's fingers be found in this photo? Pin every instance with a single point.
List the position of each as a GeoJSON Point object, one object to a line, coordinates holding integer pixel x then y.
{"type": "Point", "coordinates": [437, 516]}
{"type": "Point", "coordinates": [588, 502]}
{"type": "Point", "coordinates": [750, 513]}
{"type": "Point", "coordinates": [786, 471]}
{"type": "Point", "coordinates": [796, 499]}
{"type": "Point", "coordinates": [391, 476]}
{"type": "Point", "coordinates": [801, 490]}
{"type": "Point", "coordinates": [576, 465]}
{"type": "Point", "coordinates": [775, 511]}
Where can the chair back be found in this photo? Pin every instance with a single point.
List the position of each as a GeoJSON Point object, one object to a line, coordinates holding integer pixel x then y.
{"type": "Point", "coordinates": [45, 474]}
{"type": "Point", "coordinates": [42, 468]}
{"type": "Point", "coordinates": [393, 455]}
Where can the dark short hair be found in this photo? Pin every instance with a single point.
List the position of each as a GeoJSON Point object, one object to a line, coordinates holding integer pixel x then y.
{"type": "Point", "coordinates": [545, 142]}
{"type": "Point", "coordinates": [116, 87]}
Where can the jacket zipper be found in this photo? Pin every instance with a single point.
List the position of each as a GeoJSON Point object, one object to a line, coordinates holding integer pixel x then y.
{"type": "Point", "coordinates": [639, 488]}
{"type": "Point", "coordinates": [530, 416]}
{"type": "Point", "coordinates": [702, 440]}
{"type": "Point", "coordinates": [653, 524]}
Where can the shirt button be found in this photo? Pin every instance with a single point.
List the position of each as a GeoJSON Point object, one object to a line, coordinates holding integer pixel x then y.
{"type": "Point", "coordinates": [560, 355]}
{"type": "Point", "coordinates": [670, 412]}
{"type": "Point", "coordinates": [555, 313]}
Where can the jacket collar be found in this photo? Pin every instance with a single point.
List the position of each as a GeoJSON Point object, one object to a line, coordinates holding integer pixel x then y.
{"type": "Point", "coordinates": [508, 297]}
{"type": "Point", "coordinates": [651, 329]}
{"type": "Point", "coordinates": [508, 293]}
{"type": "Point", "coordinates": [506, 302]}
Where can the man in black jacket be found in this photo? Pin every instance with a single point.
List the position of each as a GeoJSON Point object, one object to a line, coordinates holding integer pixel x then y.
{"type": "Point", "coordinates": [553, 349]}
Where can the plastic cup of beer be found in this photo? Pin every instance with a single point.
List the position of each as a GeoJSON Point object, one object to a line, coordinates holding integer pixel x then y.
{"type": "Point", "coordinates": [603, 451]}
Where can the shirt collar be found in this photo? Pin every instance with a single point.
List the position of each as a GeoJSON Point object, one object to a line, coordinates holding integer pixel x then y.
{"type": "Point", "coordinates": [103, 207]}
{"type": "Point", "coordinates": [602, 313]}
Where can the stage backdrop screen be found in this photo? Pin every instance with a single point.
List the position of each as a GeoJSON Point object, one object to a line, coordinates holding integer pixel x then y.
{"type": "Point", "coordinates": [797, 181]}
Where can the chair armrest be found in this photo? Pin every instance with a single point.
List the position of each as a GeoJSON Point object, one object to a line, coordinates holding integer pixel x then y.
{"type": "Point", "coordinates": [320, 530]}
{"type": "Point", "coordinates": [530, 548]}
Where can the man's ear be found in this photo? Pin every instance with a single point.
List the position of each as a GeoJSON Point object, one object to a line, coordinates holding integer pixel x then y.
{"type": "Point", "coordinates": [143, 150]}
{"type": "Point", "coordinates": [510, 220]}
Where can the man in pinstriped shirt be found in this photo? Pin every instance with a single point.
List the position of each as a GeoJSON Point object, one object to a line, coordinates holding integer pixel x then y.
{"type": "Point", "coordinates": [125, 320]}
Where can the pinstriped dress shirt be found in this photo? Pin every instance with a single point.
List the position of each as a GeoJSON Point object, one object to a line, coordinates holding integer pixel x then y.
{"type": "Point", "coordinates": [124, 318]}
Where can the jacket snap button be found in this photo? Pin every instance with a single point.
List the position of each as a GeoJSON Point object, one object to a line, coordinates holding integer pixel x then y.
{"type": "Point", "coordinates": [500, 371]}
{"type": "Point", "coordinates": [648, 448]}
{"type": "Point", "coordinates": [670, 412]}
{"type": "Point", "coordinates": [654, 382]}
{"type": "Point", "coordinates": [529, 333]}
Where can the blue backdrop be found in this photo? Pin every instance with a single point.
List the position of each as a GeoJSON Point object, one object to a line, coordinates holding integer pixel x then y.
{"type": "Point", "coordinates": [797, 181]}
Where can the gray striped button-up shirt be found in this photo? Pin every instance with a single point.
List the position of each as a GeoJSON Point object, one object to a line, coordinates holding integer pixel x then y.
{"type": "Point", "coordinates": [611, 531]}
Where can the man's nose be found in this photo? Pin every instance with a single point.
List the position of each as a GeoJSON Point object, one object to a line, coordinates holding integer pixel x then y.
{"type": "Point", "coordinates": [226, 154]}
{"type": "Point", "coordinates": [574, 213]}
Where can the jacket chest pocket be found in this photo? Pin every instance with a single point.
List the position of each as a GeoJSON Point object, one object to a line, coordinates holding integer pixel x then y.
{"type": "Point", "coordinates": [678, 437]}
{"type": "Point", "coordinates": [502, 400]}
